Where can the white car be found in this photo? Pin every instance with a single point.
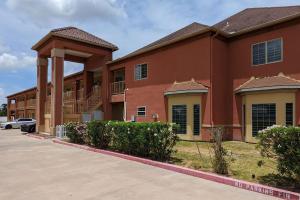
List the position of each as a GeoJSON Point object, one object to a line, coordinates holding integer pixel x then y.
{"type": "Point", "coordinates": [17, 123]}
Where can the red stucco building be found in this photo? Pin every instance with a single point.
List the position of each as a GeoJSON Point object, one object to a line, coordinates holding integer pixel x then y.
{"type": "Point", "coordinates": [242, 73]}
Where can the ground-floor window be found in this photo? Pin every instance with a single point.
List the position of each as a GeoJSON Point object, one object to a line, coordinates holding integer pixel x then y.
{"type": "Point", "coordinates": [289, 114]}
{"type": "Point", "coordinates": [196, 111]}
{"type": "Point", "coordinates": [263, 115]}
{"type": "Point", "coordinates": [179, 117]}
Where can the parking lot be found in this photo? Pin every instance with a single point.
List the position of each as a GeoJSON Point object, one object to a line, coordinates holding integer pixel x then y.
{"type": "Point", "coordinates": [39, 169]}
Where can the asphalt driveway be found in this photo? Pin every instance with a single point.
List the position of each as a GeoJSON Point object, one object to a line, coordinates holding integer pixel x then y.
{"type": "Point", "coordinates": [39, 169]}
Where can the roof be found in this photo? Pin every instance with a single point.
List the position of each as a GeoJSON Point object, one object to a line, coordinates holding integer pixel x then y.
{"type": "Point", "coordinates": [268, 83]}
{"type": "Point", "coordinates": [23, 91]}
{"type": "Point", "coordinates": [186, 87]}
{"type": "Point", "coordinates": [254, 17]}
{"type": "Point", "coordinates": [76, 34]}
{"type": "Point", "coordinates": [242, 22]}
{"type": "Point", "coordinates": [186, 32]}
{"type": "Point", "coordinates": [34, 88]}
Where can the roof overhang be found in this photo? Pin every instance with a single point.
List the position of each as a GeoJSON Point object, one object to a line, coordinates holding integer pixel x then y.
{"type": "Point", "coordinates": [186, 92]}
{"type": "Point", "coordinates": [260, 26]}
{"type": "Point", "coordinates": [49, 35]}
{"type": "Point", "coordinates": [282, 87]}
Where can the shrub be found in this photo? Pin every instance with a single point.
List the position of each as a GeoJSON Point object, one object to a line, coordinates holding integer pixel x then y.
{"type": "Point", "coordinates": [219, 162]}
{"type": "Point", "coordinates": [75, 132]}
{"type": "Point", "coordinates": [154, 140]}
{"type": "Point", "coordinates": [98, 134]}
{"type": "Point", "coordinates": [283, 144]}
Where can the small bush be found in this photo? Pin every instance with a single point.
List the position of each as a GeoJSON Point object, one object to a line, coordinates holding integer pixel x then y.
{"type": "Point", "coordinates": [75, 132]}
{"type": "Point", "coordinates": [98, 134]}
{"type": "Point", "coordinates": [283, 144]}
{"type": "Point", "coordinates": [152, 140]}
{"type": "Point", "coordinates": [219, 162]}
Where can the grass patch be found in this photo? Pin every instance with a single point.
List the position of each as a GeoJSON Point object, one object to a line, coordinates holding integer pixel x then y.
{"type": "Point", "coordinates": [242, 160]}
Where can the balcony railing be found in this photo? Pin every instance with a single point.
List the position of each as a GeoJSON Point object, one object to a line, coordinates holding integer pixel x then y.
{"type": "Point", "coordinates": [79, 105]}
{"type": "Point", "coordinates": [20, 104]}
{"type": "Point", "coordinates": [69, 95]}
{"type": "Point", "coordinates": [31, 103]}
{"type": "Point", "coordinates": [118, 87]}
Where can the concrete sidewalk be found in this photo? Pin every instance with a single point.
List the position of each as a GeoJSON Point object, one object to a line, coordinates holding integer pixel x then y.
{"type": "Point", "coordinates": [39, 169]}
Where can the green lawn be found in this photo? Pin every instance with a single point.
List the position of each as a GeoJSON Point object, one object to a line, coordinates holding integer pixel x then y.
{"type": "Point", "coordinates": [243, 159]}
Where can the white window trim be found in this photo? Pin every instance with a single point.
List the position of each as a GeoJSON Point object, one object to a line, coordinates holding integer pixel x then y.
{"type": "Point", "coordinates": [137, 111]}
{"type": "Point", "coordinates": [141, 71]}
{"type": "Point", "coordinates": [266, 52]}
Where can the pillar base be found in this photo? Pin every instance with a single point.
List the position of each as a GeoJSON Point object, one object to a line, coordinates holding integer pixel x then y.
{"type": "Point", "coordinates": [53, 131]}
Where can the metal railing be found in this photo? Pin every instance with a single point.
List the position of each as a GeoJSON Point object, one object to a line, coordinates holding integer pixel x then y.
{"type": "Point", "coordinates": [20, 104]}
{"type": "Point", "coordinates": [31, 103]}
{"type": "Point", "coordinates": [118, 87]}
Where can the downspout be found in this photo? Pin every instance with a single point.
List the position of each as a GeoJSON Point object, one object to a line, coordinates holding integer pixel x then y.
{"type": "Point", "coordinates": [211, 74]}
{"type": "Point", "coordinates": [125, 106]}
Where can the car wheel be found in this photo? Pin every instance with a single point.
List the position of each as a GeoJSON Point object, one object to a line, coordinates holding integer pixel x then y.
{"type": "Point", "coordinates": [32, 130]}
{"type": "Point", "coordinates": [8, 126]}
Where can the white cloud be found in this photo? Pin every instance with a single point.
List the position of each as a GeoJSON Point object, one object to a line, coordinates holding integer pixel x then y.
{"type": "Point", "coordinates": [13, 63]}
{"type": "Point", "coordinates": [54, 11]}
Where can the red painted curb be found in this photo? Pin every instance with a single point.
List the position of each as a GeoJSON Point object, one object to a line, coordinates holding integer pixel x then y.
{"type": "Point", "coordinates": [271, 191]}
{"type": "Point", "coordinates": [34, 136]}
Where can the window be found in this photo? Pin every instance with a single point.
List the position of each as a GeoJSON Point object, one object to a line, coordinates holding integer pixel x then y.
{"type": "Point", "coordinates": [259, 54]}
{"type": "Point", "coordinates": [289, 118]}
{"type": "Point", "coordinates": [141, 71]}
{"type": "Point", "coordinates": [274, 50]}
{"type": "Point", "coordinates": [263, 116]}
{"type": "Point", "coordinates": [267, 52]}
{"type": "Point", "coordinates": [196, 119]}
{"type": "Point", "coordinates": [179, 117]}
{"type": "Point", "coordinates": [141, 111]}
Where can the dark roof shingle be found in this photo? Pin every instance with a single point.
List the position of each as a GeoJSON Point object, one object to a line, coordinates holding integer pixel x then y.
{"type": "Point", "coordinates": [252, 17]}
{"type": "Point", "coordinates": [268, 83]}
{"type": "Point", "coordinates": [78, 34]}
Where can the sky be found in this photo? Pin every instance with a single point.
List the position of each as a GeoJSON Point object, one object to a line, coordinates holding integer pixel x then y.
{"type": "Point", "coordinates": [129, 24]}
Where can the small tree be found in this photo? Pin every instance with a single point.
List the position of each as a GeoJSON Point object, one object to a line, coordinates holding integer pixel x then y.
{"type": "Point", "coordinates": [3, 110]}
{"type": "Point", "coordinates": [219, 162]}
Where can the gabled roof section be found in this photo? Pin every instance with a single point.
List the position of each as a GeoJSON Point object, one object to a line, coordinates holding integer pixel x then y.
{"type": "Point", "coordinates": [252, 18]}
{"type": "Point", "coordinates": [76, 34]}
{"type": "Point", "coordinates": [268, 83]}
{"type": "Point", "coordinates": [186, 32]}
{"type": "Point", "coordinates": [186, 87]}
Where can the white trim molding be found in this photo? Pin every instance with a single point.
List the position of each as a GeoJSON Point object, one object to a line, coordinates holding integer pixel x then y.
{"type": "Point", "coordinates": [186, 92]}
{"type": "Point", "coordinates": [279, 87]}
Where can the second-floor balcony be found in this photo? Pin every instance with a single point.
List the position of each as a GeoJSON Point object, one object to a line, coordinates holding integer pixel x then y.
{"type": "Point", "coordinates": [20, 104]}
{"type": "Point", "coordinates": [31, 103]}
{"type": "Point", "coordinates": [118, 87]}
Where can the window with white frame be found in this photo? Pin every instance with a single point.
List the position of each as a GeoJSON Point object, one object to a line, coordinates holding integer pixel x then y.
{"type": "Point", "coordinates": [141, 111]}
{"type": "Point", "coordinates": [267, 52]}
{"type": "Point", "coordinates": [141, 71]}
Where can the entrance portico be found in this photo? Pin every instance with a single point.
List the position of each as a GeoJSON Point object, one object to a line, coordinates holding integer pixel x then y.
{"type": "Point", "coordinates": [75, 45]}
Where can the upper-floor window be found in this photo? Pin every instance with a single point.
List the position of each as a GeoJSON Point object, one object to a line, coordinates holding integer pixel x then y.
{"type": "Point", "coordinates": [141, 71]}
{"type": "Point", "coordinates": [267, 52]}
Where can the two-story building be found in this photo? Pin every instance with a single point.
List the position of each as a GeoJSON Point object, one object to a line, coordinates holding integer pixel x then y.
{"type": "Point", "coordinates": [241, 73]}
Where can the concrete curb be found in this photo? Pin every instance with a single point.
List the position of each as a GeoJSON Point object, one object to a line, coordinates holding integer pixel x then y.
{"type": "Point", "coordinates": [271, 191]}
{"type": "Point", "coordinates": [35, 136]}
